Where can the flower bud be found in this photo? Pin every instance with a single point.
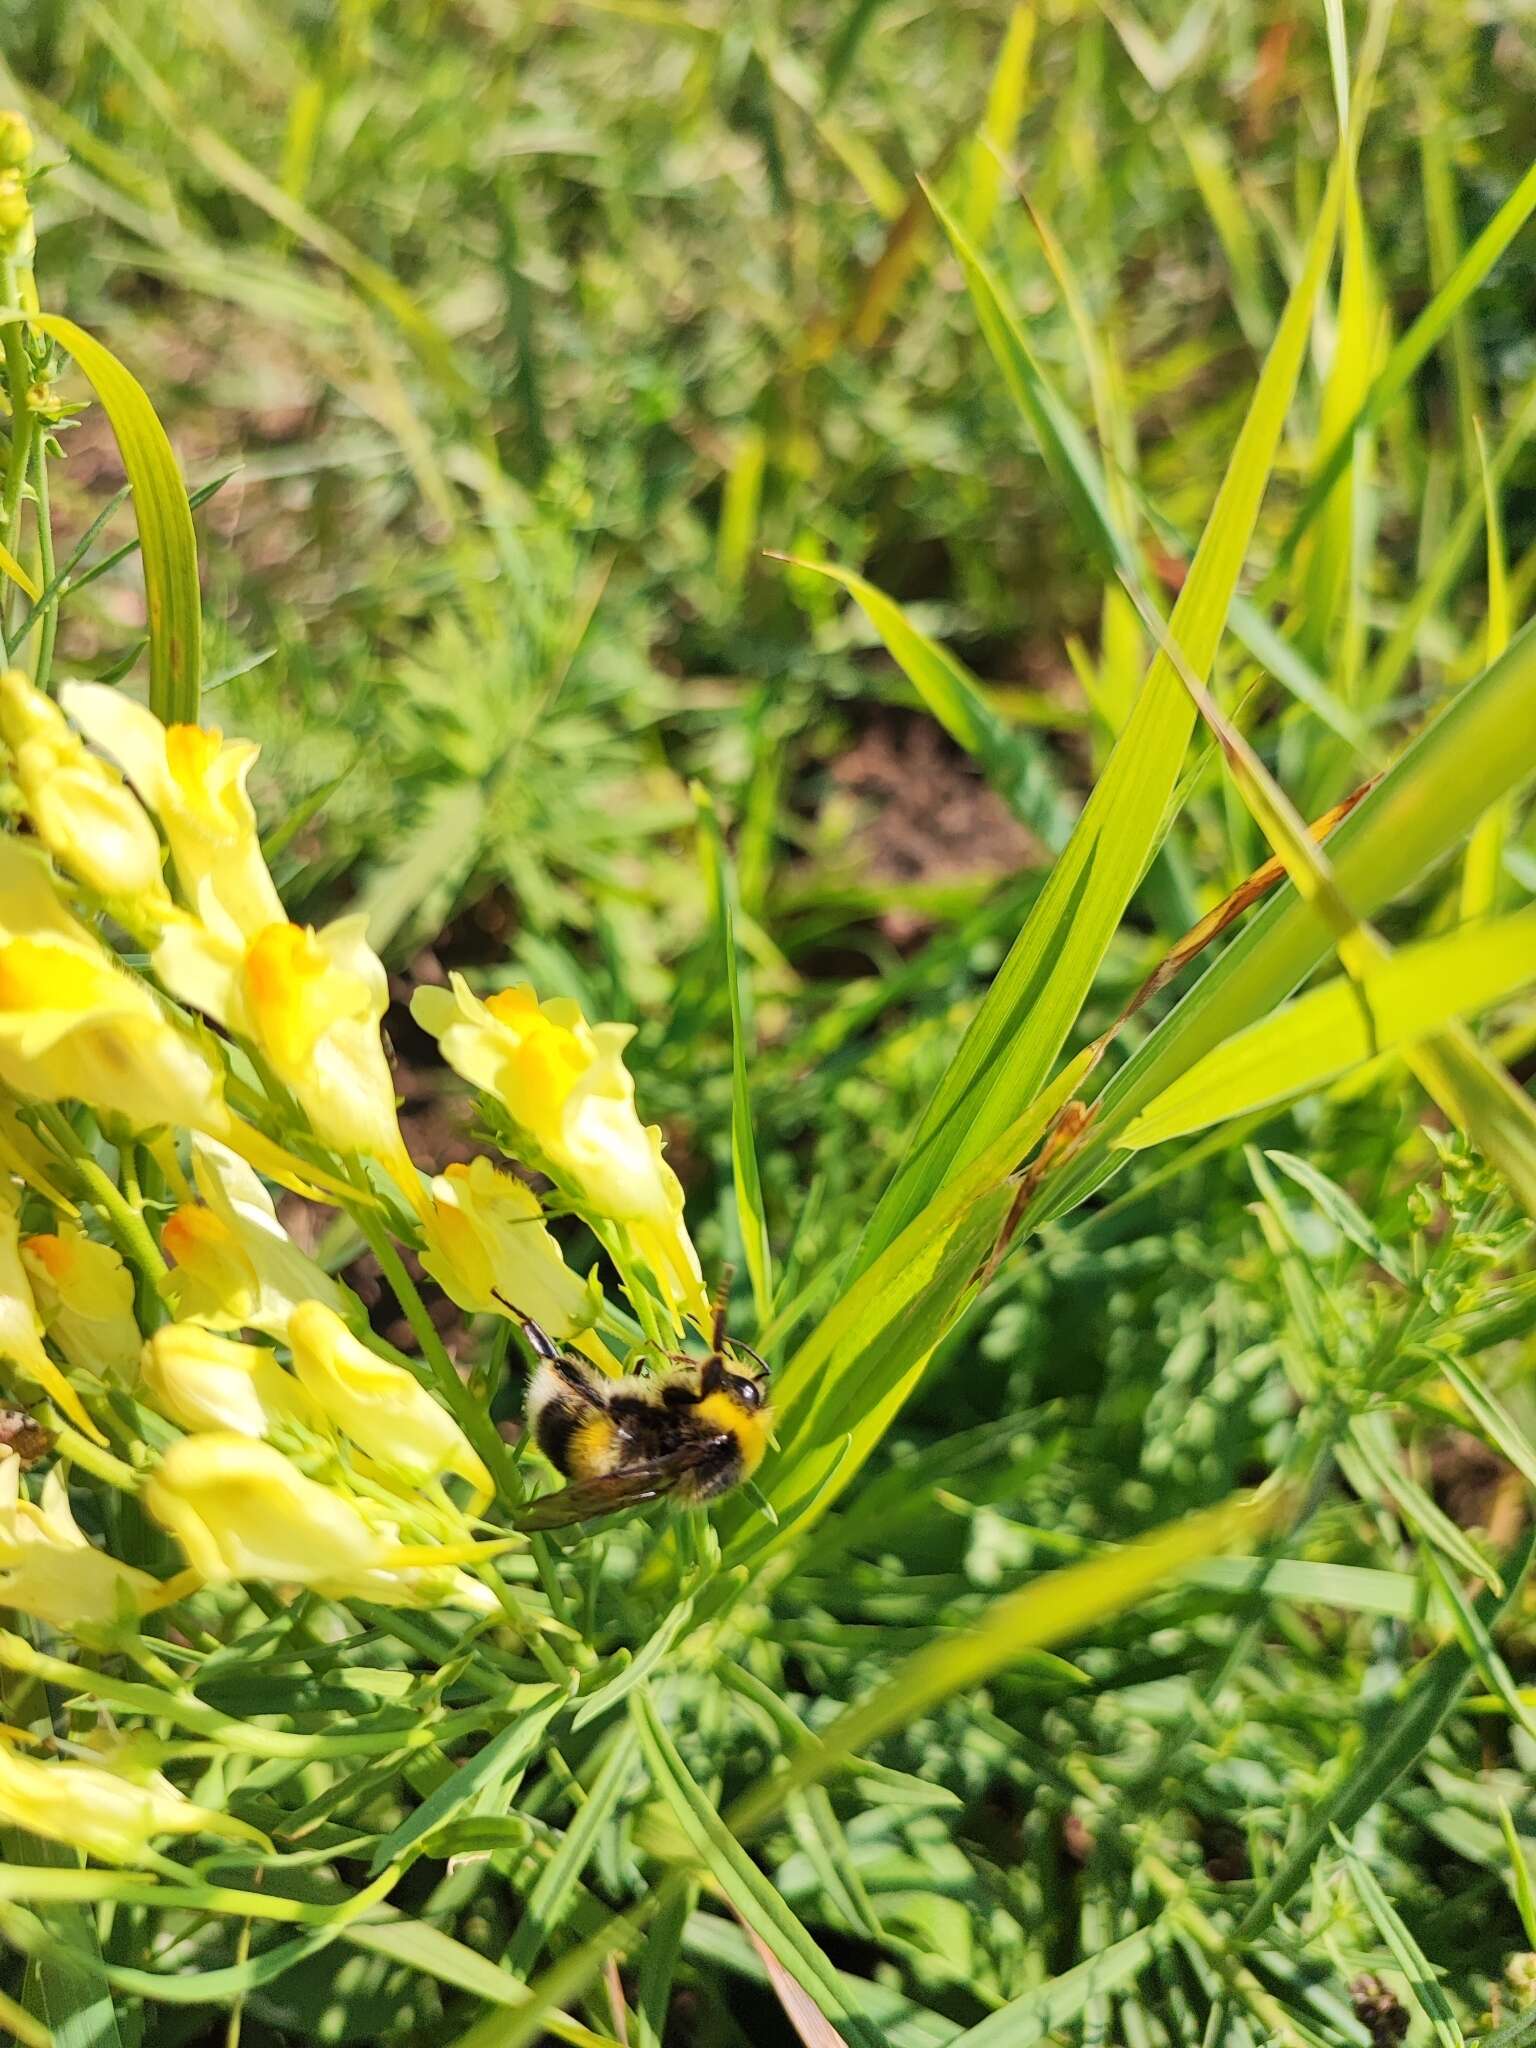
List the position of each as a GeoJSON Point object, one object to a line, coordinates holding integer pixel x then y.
{"type": "Point", "coordinates": [112, 1817]}
{"type": "Point", "coordinates": [85, 1293]}
{"type": "Point", "coordinates": [21, 1342]}
{"type": "Point", "coordinates": [15, 210]}
{"type": "Point", "coordinates": [81, 808]}
{"type": "Point", "coordinates": [311, 1004]}
{"type": "Point", "coordinates": [48, 1570]}
{"type": "Point", "coordinates": [73, 1023]}
{"type": "Point", "coordinates": [16, 143]}
{"type": "Point", "coordinates": [381, 1407]}
{"type": "Point", "coordinates": [208, 1382]}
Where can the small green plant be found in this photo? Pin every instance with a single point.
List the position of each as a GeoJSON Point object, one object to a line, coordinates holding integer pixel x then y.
{"type": "Point", "coordinates": [1099, 1652]}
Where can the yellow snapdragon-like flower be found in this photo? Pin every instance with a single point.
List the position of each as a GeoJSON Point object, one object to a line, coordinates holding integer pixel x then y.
{"type": "Point", "coordinates": [85, 1295]}
{"type": "Point", "coordinates": [235, 1267]}
{"type": "Point", "coordinates": [21, 1327]}
{"type": "Point", "coordinates": [75, 1024]}
{"type": "Point", "coordinates": [489, 1249]}
{"type": "Point", "coordinates": [81, 809]}
{"type": "Point", "coordinates": [50, 1571]}
{"type": "Point", "coordinates": [111, 1816]}
{"type": "Point", "coordinates": [204, 1381]}
{"type": "Point", "coordinates": [381, 1407]}
{"type": "Point", "coordinates": [564, 1082]}
{"type": "Point", "coordinates": [240, 1510]}
{"type": "Point", "coordinates": [194, 782]}
{"type": "Point", "coordinates": [310, 1003]}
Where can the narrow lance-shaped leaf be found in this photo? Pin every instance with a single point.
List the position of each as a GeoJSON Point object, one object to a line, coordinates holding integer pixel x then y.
{"type": "Point", "coordinates": [1408, 996]}
{"type": "Point", "coordinates": [1008, 1051]}
{"type": "Point", "coordinates": [167, 541]}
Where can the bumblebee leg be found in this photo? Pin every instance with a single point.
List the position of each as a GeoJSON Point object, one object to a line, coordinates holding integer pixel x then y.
{"type": "Point", "coordinates": [717, 1472]}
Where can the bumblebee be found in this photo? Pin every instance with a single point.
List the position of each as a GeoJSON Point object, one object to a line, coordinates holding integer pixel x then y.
{"type": "Point", "coordinates": [689, 1433]}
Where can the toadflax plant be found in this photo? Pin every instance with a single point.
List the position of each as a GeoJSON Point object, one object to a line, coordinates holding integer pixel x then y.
{"type": "Point", "coordinates": [303, 1718]}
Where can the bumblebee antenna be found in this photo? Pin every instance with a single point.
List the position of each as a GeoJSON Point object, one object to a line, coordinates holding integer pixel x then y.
{"type": "Point", "coordinates": [721, 1308]}
{"type": "Point", "coordinates": [539, 1339]}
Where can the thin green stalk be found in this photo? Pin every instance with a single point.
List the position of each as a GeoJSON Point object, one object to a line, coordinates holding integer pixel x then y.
{"type": "Point", "coordinates": [128, 1225]}
{"type": "Point", "coordinates": [466, 1411]}
{"type": "Point", "coordinates": [45, 561]}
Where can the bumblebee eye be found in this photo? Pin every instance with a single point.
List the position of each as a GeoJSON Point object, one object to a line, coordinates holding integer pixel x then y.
{"type": "Point", "coordinates": [748, 1392]}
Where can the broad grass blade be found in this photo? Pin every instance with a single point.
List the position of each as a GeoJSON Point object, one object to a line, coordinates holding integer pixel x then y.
{"type": "Point", "coordinates": [1052, 1609]}
{"type": "Point", "coordinates": [1012, 1043]}
{"type": "Point", "coordinates": [1000, 127]}
{"type": "Point", "coordinates": [1480, 747]}
{"type": "Point", "coordinates": [1407, 997]}
{"type": "Point", "coordinates": [167, 541]}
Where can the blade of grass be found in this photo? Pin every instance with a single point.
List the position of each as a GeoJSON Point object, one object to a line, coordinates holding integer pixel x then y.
{"type": "Point", "coordinates": [1481, 745]}
{"type": "Point", "coordinates": [1000, 125]}
{"type": "Point", "coordinates": [746, 1178]}
{"type": "Point", "coordinates": [1405, 359]}
{"type": "Point", "coordinates": [1013, 761]}
{"type": "Point", "coordinates": [1054, 1608]}
{"type": "Point", "coordinates": [1482, 871]}
{"type": "Point", "coordinates": [759, 1906]}
{"type": "Point", "coordinates": [1397, 1738]}
{"type": "Point", "coordinates": [1011, 1044]}
{"type": "Point", "coordinates": [1409, 996]}
{"type": "Point", "coordinates": [167, 541]}
{"type": "Point", "coordinates": [1418, 1972]}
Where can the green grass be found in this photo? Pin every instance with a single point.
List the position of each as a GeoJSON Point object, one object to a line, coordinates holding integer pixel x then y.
{"type": "Point", "coordinates": [618, 416]}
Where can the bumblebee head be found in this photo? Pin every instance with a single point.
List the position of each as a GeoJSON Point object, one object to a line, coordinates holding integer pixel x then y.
{"type": "Point", "coordinates": [746, 1393]}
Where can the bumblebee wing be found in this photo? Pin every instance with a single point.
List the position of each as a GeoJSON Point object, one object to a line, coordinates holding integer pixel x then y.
{"type": "Point", "coordinates": [609, 1492]}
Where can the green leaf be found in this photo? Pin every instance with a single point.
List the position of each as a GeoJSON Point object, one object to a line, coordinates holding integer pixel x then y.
{"type": "Point", "coordinates": [167, 541]}
{"type": "Point", "coordinates": [546, 1903]}
{"type": "Point", "coordinates": [1405, 359]}
{"type": "Point", "coordinates": [1040, 2011]}
{"type": "Point", "coordinates": [1017, 1035]}
{"type": "Point", "coordinates": [1423, 1983]}
{"type": "Point", "coordinates": [1481, 745]}
{"type": "Point", "coordinates": [750, 1212]}
{"type": "Point", "coordinates": [1000, 127]}
{"type": "Point", "coordinates": [761, 1908]}
{"type": "Point", "coordinates": [421, 1946]}
{"type": "Point", "coordinates": [1409, 996]}
{"type": "Point", "coordinates": [1057, 1606]}
{"type": "Point", "coordinates": [1015, 764]}
{"type": "Point", "coordinates": [503, 1758]}
{"type": "Point", "coordinates": [1519, 1874]}
{"type": "Point", "coordinates": [1396, 1739]}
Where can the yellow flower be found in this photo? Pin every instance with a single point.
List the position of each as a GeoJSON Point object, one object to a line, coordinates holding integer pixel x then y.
{"type": "Point", "coordinates": [240, 1511]}
{"type": "Point", "coordinates": [85, 1293]}
{"type": "Point", "coordinates": [48, 1570]}
{"type": "Point", "coordinates": [110, 1816]}
{"type": "Point", "coordinates": [81, 809]}
{"type": "Point", "coordinates": [310, 1003]}
{"type": "Point", "coordinates": [208, 1382]}
{"type": "Point", "coordinates": [488, 1248]}
{"type": "Point", "coordinates": [381, 1407]}
{"type": "Point", "coordinates": [235, 1266]}
{"type": "Point", "coordinates": [194, 782]}
{"type": "Point", "coordinates": [564, 1082]}
{"type": "Point", "coordinates": [75, 1024]}
{"type": "Point", "coordinates": [21, 1342]}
